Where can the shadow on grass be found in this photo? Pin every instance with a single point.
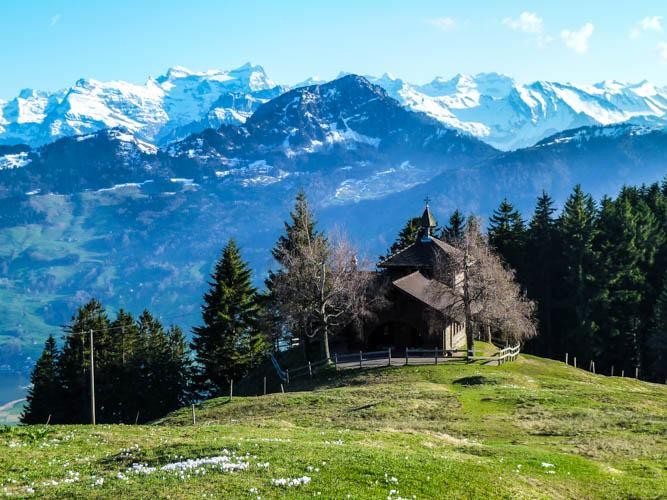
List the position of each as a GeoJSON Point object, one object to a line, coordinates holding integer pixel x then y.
{"type": "Point", "coordinates": [475, 380]}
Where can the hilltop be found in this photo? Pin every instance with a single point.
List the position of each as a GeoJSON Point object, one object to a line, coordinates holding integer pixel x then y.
{"type": "Point", "coordinates": [534, 428]}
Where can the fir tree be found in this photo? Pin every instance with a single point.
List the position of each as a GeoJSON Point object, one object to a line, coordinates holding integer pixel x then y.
{"type": "Point", "coordinates": [576, 231]}
{"type": "Point", "coordinates": [299, 230]}
{"type": "Point", "coordinates": [507, 234]}
{"type": "Point", "coordinates": [74, 364]}
{"type": "Point", "coordinates": [44, 397]}
{"type": "Point", "coordinates": [406, 237]}
{"type": "Point", "coordinates": [453, 232]}
{"type": "Point", "coordinates": [177, 370]}
{"type": "Point", "coordinates": [624, 245]}
{"type": "Point", "coordinates": [229, 342]}
{"type": "Point", "coordinates": [123, 400]}
{"type": "Point", "coordinates": [542, 264]}
{"type": "Point", "coordinates": [657, 340]}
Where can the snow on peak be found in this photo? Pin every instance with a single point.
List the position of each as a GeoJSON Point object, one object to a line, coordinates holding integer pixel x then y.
{"type": "Point", "coordinates": [492, 106]}
{"type": "Point", "coordinates": [171, 106]}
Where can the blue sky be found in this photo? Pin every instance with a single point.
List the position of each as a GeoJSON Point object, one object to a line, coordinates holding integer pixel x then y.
{"type": "Point", "coordinates": [49, 44]}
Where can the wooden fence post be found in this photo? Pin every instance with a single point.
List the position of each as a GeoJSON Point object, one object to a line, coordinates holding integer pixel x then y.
{"type": "Point", "coordinates": [265, 386]}
{"type": "Point", "coordinates": [622, 373]}
{"type": "Point", "coordinates": [575, 361]}
{"type": "Point", "coordinates": [612, 370]}
{"type": "Point", "coordinates": [637, 372]}
{"type": "Point", "coordinates": [566, 355]}
{"type": "Point", "coordinates": [194, 417]}
{"type": "Point", "coordinates": [389, 356]}
{"type": "Point", "coordinates": [231, 389]}
{"type": "Point", "coordinates": [361, 359]}
{"type": "Point", "coordinates": [310, 370]}
{"type": "Point", "coordinates": [593, 366]}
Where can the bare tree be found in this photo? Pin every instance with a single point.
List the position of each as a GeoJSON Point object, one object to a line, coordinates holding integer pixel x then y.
{"type": "Point", "coordinates": [483, 291]}
{"type": "Point", "coordinates": [322, 287]}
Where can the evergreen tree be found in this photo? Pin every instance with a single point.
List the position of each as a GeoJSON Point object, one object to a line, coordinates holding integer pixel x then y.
{"type": "Point", "coordinates": [44, 397]}
{"type": "Point", "coordinates": [177, 370]}
{"type": "Point", "coordinates": [507, 234]}
{"type": "Point", "coordinates": [162, 368]}
{"type": "Point", "coordinates": [454, 231]}
{"type": "Point", "coordinates": [406, 237]}
{"type": "Point", "coordinates": [542, 270]}
{"type": "Point", "coordinates": [624, 245]}
{"type": "Point", "coordinates": [657, 340]}
{"type": "Point", "coordinates": [299, 230]}
{"type": "Point", "coordinates": [123, 401]}
{"type": "Point", "coordinates": [576, 227]}
{"type": "Point", "coordinates": [74, 361]}
{"type": "Point", "coordinates": [230, 342]}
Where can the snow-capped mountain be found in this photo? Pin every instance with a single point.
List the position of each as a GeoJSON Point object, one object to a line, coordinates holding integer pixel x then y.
{"type": "Point", "coordinates": [167, 108]}
{"type": "Point", "coordinates": [510, 115]}
{"type": "Point", "coordinates": [494, 108]}
{"type": "Point", "coordinates": [347, 114]}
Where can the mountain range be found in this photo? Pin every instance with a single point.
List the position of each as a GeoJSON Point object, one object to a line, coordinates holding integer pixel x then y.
{"type": "Point", "coordinates": [136, 214]}
{"type": "Point", "coordinates": [497, 109]}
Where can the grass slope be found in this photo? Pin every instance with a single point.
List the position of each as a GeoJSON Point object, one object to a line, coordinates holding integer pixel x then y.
{"type": "Point", "coordinates": [530, 429]}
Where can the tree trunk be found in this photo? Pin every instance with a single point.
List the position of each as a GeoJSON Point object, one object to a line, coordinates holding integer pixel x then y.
{"type": "Point", "coordinates": [325, 338]}
{"type": "Point", "coordinates": [470, 340]}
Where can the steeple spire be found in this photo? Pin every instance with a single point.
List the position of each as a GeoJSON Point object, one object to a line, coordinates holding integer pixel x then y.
{"type": "Point", "coordinates": [427, 221]}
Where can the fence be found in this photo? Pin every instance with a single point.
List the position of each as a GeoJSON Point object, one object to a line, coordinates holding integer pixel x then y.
{"type": "Point", "coordinates": [309, 369]}
{"type": "Point", "coordinates": [390, 357]}
{"type": "Point", "coordinates": [502, 356]}
{"type": "Point", "coordinates": [612, 370]}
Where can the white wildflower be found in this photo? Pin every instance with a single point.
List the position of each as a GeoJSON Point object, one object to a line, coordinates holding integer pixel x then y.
{"type": "Point", "coordinates": [291, 482]}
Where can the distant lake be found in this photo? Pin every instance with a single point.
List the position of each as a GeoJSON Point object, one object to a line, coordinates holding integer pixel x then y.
{"type": "Point", "coordinates": [12, 386]}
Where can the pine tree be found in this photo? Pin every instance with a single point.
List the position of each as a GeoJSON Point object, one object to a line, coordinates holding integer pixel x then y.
{"type": "Point", "coordinates": [230, 341]}
{"type": "Point", "coordinates": [123, 401]}
{"type": "Point", "coordinates": [178, 370]}
{"type": "Point", "coordinates": [542, 265]}
{"type": "Point", "coordinates": [406, 237]}
{"type": "Point", "coordinates": [625, 249]}
{"type": "Point", "coordinates": [74, 364]}
{"type": "Point", "coordinates": [507, 234]}
{"type": "Point", "coordinates": [657, 340]}
{"type": "Point", "coordinates": [301, 229]}
{"type": "Point", "coordinates": [576, 227]}
{"type": "Point", "coordinates": [44, 397]}
{"type": "Point", "coordinates": [455, 230]}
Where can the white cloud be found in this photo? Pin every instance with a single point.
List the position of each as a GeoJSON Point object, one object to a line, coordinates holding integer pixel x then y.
{"type": "Point", "coordinates": [531, 23]}
{"type": "Point", "coordinates": [443, 23]}
{"type": "Point", "coordinates": [578, 40]}
{"type": "Point", "coordinates": [56, 19]}
{"type": "Point", "coordinates": [649, 23]}
{"type": "Point", "coordinates": [662, 50]}
{"type": "Point", "coordinates": [528, 22]}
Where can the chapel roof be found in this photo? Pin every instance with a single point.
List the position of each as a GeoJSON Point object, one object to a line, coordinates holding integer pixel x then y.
{"type": "Point", "coordinates": [433, 293]}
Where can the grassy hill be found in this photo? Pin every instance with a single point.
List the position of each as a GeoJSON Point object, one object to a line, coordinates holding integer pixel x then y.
{"type": "Point", "coordinates": [530, 429]}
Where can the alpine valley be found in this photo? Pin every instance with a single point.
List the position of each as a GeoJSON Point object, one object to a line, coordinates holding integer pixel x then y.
{"type": "Point", "coordinates": [128, 192]}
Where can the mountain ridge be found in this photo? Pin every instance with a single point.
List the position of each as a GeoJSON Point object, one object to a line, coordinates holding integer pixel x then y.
{"type": "Point", "coordinates": [496, 108]}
